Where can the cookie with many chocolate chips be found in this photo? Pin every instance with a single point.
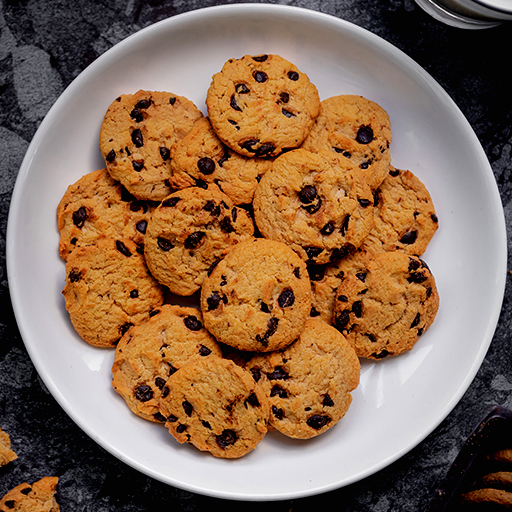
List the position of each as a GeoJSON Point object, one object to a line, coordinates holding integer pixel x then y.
{"type": "Point", "coordinates": [187, 234]}
{"type": "Point", "coordinates": [6, 453]}
{"type": "Point", "coordinates": [216, 406]}
{"type": "Point", "coordinates": [309, 383]}
{"type": "Point", "coordinates": [261, 105]}
{"type": "Point", "coordinates": [38, 497]}
{"type": "Point", "coordinates": [404, 215]}
{"type": "Point", "coordinates": [108, 289]}
{"type": "Point", "coordinates": [318, 203]}
{"type": "Point", "coordinates": [136, 136]}
{"type": "Point", "coordinates": [258, 297]}
{"type": "Point", "coordinates": [97, 206]}
{"type": "Point", "coordinates": [150, 352]}
{"type": "Point", "coordinates": [385, 307]}
{"type": "Point", "coordinates": [202, 158]}
{"type": "Point", "coordinates": [356, 128]}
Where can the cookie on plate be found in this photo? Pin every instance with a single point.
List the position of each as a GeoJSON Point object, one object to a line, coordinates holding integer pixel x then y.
{"type": "Point", "coordinates": [6, 453]}
{"type": "Point", "coordinates": [97, 206]}
{"type": "Point", "coordinates": [38, 497]}
{"type": "Point", "coordinates": [404, 215]}
{"type": "Point", "coordinates": [136, 136]}
{"type": "Point", "coordinates": [187, 234]}
{"type": "Point", "coordinates": [216, 406]}
{"type": "Point", "coordinates": [309, 383]}
{"type": "Point", "coordinates": [150, 352]}
{"type": "Point", "coordinates": [258, 297]}
{"type": "Point", "coordinates": [108, 289]}
{"type": "Point", "coordinates": [261, 105]}
{"type": "Point", "coordinates": [318, 203]}
{"type": "Point", "coordinates": [202, 158]}
{"type": "Point", "coordinates": [356, 128]}
{"type": "Point", "coordinates": [384, 308]}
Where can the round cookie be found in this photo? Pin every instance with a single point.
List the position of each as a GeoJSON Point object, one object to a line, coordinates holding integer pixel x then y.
{"type": "Point", "coordinates": [150, 352]}
{"type": "Point", "coordinates": [317, 203]}
{"type": "Point", "coordinates": [38, 497]}
{"type": "Point", "coordinates": [187, 234]}
{"type": "Point", "coordinates": [357, 129]}
{"type": "Point", "coordinates": [261, 105]}
{"type": "Point", "coordinates": [216, 406]}
{"type": "Point", "coordinates": [404, 215]}
{"type": "Point", "coordinates": [136, 136]}
{"type": "Point", "coordinates": [258, 297]}
{"type": "Point", "coordinates": [96, 206]}
{"type": "Point", "coordinates": [384, 308]}
{"type": "Point", "coordinates": [309, 383]}
{"type": "Point", "coordinates": [202, 158]}
{"type": "Point", "coordinates": [108, 289]}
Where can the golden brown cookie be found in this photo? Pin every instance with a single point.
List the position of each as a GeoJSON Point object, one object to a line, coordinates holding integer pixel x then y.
{"type": "Point", "coordinates": [187, 234]}
{"type": "Point", "coordinates": [38, 497]}
{"type": "Point", "coordinates": [489, 496]}
{"type": "Point", "coordinates": [97, 206]}
{"type": "Point", "coordinates": [258, 297]}
{"type": "Point", "coordinates": [359, 130]}
{"type": "Point", "coordinates": [6, 453]}
{"type": "Point", "coordinates": [309, 383]}
{"type": "Point", "coordinates": [216, 406]}
{"type": "Point", "coordinates": [136, 136]}
{"type": "Point", "coordinates": [150, 352]}
{"type": "Point", "coordinates": [404, 215]}
{"type": "Point", "coordinates": [261, 105]}
{"type": "Point", "coordinates": [108, 289]}
{"type": "Point", "coordinates": [498, 480]}
{"type": "Point", "coordinates": [317, 203]}
{"type": "Point", "coordinates": [384, 308]}
{"type": "Point", "coordinates": [201, 157]}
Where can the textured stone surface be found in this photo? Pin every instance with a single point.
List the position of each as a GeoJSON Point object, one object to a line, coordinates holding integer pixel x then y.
{"type": "Point", "coordinates": [44, 45]}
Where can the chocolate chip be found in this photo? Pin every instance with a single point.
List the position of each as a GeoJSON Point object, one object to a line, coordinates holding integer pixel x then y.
{"type": "Point", "coordinates": [380, 355]}
{"type": "Point", "coordinates": [328, 229]}
{"type": "Point", "coordinates": [252, 400]}
{"type": "Point", "coordinates": [394, 172]}
{"type": "Point", "coordinates": [206, 424]}
{"type": "Point", "coordinates": [165, 153]}
{"type": "Point", "coordinates": [124, 328]}
{"type": "Point", "coordinates": [172, 419]}
{"type": "Point", "coordinates": [278, 391]}
{"type": "Point", "coordinates": [111, 156]}
{"type": "Point", "coordinates": [318, 421]}
{"type": "Point", "coordinates": [434, 218]}
{"type": "Point", "coordinates": [213, 265]}
{"type": "Point", "coordinates": [154, 312]}
{"type": "Point", "coordinates": [212, 208]}
{"type": "Point", "coordinates": [143, 393]}
{"type": "Point", "coordinates": [293, 75]}
{"type": "Point", "coordinates": [159, 383]}
{"type": "Point", "coordinates": [213, 301]}
{"type": "Point", "coordinates": [265, 149]}
{"type": "Point", "coordinates": [26, 491]}
{"type": "Point", "coordinates": [193, 323]}
{"type": "Point", "coordinates": [342, 298]}
{"type": "Point", "coordinates": [143, 104]}
{"type": "Point", "coordinates": [342, 319]}
{"type": "Point", "coordinates": [260, 76]}
{"type": "Point", "coordinates": [343, 152]}
{"type": "Point", "coordinates": [248, 145]}
{"type": "Point", "coordinates": [137, 115]}
{"type": "Point", "coordinates": [284, 97]}
{"type": "Point", "coordinates": [121, 247]}
{"type": "Point", "coordinates": [316, 272]}
{"type": "Point", "coordinates": [226, 226]}
{"type": "Point", "coordinates": [313, 252]}
{"type": "Point", "coordinates": [327, 401]}
{"type": "Point", "coordinates": [204, 351]}
{"type": "Point", "coordinates": [364, 202]}
{"type": "Point", "coordinates": [137, 138]}
{"type": "Point", "coordinates": [164, 245]}
{"type": "Point", "coordinates": [307, 194]}
{"type": "Point", "coordinates": [260, 58]}
{"type": "Point", "coordinates": [181, 428]}
{"type": "Point", "coordinates": [206, 165]}
{"type": "Point", "coordinates": [10, 503]}
{"type": "Point", "coordinates": [296, 272]}
{"type": "Point", "coordinates": [286, 298]}
{"type": "Point", "coordinates": [279, 373]}
{"type": "Point", "coordinates": [416, 320]}
{"type": "Point", "coordinates": [264, 307]}
{"type": "Point", "coordinates": [314, 312]}
{"type": "Point", "coordinates": [134, 294]}
{"type": "Point", "coordinates": [193, 240]}
{"type": "Point", "coordinates": [172, 100]}
{"type": "Point", "coordinates": [277, 412]}
{"type": "Point", "coordinates": [344, 225]}
{"type": "Point", "coordinates": [187, 407]}
{"type": "Point", "coordinates": [227, 438]}
{"type": "Point", "coordinates": [171, 202]}
{"type": "Point", "coordinates": [233, 104]}
{"type": "Point", "coordinates": [234, 123]}
{"type": "Point", "coordinates": [361, 276]}
{"type": "Point", "coordinates": [138, 165]}
{"type": "Point", "coordinates": [287, 113]}
{"type": "Point", "coordinates": [409, 237]}
{"type": "Point", "coordinates": [357, 308]}
{"type": "Point", "coordinates": [242, 89]}
{"type": "Point", "coordinates": [256, 373]}
{"type": "Point", "coordinates": [80, 216]}
{"type": "Point", "coordinates": [159, 417]}
{"type": "Point", "coordinates": [364, 135]}
{"type": "Point", "coordinates": [234, 213]}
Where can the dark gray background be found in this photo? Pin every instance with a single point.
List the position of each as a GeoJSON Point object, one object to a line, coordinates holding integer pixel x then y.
{"type": "Point", "coordinates": [44, 45]}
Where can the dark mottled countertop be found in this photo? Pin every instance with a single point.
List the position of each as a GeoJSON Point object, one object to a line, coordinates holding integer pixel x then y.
{"type": "Point", "coordinates": [44, 45]}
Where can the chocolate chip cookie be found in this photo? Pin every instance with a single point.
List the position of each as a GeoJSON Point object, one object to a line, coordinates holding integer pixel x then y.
{"type": "Point", "coordinates": [261, 105]}
{"type": "Point", "coordinates": [108, 289]}
{"type": "Point", "coordinates": [318, 203]}
{"type": "Point", "coordinates": [359, 130]}
{"type": "Point", "coordinates": [201, 157]}
{"type": "Point", "coordinates": [6, 453]}
{"type": "Point", "coordinates": [384, 308]}
{"type": "Point", "coordinates": [150, 352]}
{"type": "Point", "coordinates": [258, 297]}
{"type": "Point", "coordinates": [216, 406]}
{"type": "Point", "coordinates": [188, 232]}
{"type": "Point", "coordinates": [38, 497]}
{"type": "Point", "coordinates": [97, 206]}
{"type": "Point", "coordinates": [136, 136]}
{"type": "Point", "coordinates": [309, 383]}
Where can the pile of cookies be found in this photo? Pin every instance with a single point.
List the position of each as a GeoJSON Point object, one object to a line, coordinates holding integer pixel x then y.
{"type": "Point", "coordinates": [282, 217]}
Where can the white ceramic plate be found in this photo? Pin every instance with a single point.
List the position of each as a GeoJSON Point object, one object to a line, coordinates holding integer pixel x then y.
{"type": "Point", "coordinates": [399, 401]}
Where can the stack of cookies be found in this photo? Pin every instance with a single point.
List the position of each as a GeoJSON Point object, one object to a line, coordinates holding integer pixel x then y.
{"type": "Point", "coordinates": [282, 216]}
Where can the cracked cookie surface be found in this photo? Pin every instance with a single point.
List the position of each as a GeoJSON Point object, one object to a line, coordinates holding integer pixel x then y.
{"type": "Point", "coordinates": [136, 136]}
{"type": "Point", "coordinates": [261, 105]}
{"type": "Point", "coordinates": [258, 297]}
{"type": "Point", "coordinates": [38, 497]}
